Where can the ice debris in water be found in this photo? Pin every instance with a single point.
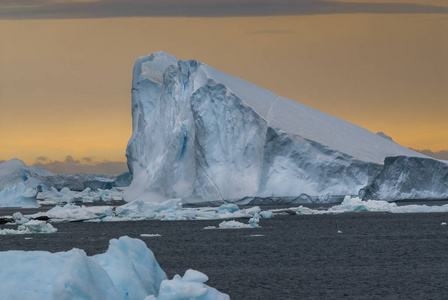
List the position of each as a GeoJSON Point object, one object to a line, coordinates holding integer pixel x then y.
{"type": "Point", "coordinates": [33, 226]}
{"type": "Point", "coordinates": [253, 223]}
{"type": "Point", "coordinates": [127, 270]}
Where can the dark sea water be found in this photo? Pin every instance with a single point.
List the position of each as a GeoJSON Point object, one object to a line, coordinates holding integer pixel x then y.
{"type": "Point", "coordinates": [377, 255]}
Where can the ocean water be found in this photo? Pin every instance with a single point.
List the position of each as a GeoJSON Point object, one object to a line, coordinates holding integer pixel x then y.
{"type": "Point", "coordinates": [345, 256]}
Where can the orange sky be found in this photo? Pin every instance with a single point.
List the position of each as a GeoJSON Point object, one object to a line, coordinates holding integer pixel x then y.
{"type": "Point", "coordinates": [65, 84]}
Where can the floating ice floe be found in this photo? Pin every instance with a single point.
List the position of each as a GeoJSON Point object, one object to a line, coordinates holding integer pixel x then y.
{"type": "Point", "coordinates": [355, 204]}
{"type": "Point", "coordinates": [189, 286]}
{"type": "Point", "coordinates": [142, 210]}
{"type": "Point", "coordinates": [150, 235]}
{"type": "Point", "coordinates": [33, 226]}
{"type": "Point", "coordinates": [232, 224]}
{"type": "Point", "coordinates": [127, 270]}
{"type": "Point", "coordinates": [73, 212]}
{"type": "Point", "coordinates": [172, 210]}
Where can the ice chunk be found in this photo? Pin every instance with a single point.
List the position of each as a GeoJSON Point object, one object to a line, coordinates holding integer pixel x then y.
{"type": "Point", "coordinates": [233, 225]}
{"type": "Point", "coordinates": [267, 214]}
{"type": "Point", "coordinates": [255, 220]}
{"type": "Point", "coordinates": [19, 218]}
{"type": "Point", "coordinates": [33, 226]}
{"type": "Point", "coordinates": [190, 286]}
{"type": "Point", "coordinates": [225, 208]}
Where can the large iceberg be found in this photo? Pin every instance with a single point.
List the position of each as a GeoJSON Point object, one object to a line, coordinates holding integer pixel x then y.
{"type": "Point", "coordinates": [205, 136]}
{"type": "Point", "coordinates": [128, 270]}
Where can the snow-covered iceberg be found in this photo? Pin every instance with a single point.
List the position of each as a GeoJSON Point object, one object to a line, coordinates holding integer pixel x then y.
{"type": "Point", "coordinates": [208, 137]}
{"type": "Point", "coordinates": [127, 270]}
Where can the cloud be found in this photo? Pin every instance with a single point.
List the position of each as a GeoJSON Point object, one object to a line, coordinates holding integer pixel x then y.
{"type": "Point", "coordinates": [47, 9]}
{"type": "Point", "coordinates": [42, 159]}
{"type": "Point", "coordinates": [2, 161]}
{"type": "Point", "coordinates": [85, 165]}
{"type": "Point", "coordinates": [443, 155]}
{"type": "Point", "coordinates": [70, 160]}
{"type": "Point", "coordinates": [87, 160]}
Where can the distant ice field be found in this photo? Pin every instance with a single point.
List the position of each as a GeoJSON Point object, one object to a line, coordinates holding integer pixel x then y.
{"type": "Point", "coordinates": [352, 256]}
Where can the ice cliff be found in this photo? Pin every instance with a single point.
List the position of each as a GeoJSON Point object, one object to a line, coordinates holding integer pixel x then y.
{"type": "Point", "coordinates": [205, 136]}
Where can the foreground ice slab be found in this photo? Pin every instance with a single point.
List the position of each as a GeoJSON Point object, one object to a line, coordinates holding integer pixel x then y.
{"type": "Point", "coordinates": [128, 270]}
{"type": "Point", "coordinates": [205, 136]}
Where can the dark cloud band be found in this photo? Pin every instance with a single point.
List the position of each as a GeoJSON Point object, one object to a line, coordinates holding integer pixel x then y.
{"type": "Point", "coordinates": [201, 8]}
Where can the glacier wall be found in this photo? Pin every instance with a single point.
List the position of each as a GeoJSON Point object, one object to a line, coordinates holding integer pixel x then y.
{"type": "Point", "coordinates": [205, 136]}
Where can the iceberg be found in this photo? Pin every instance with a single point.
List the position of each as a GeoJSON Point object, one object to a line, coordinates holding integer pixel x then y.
{"type": "Point", "coordinates": [18, 195]}
{"type": "Point", "coordinates": [207, 137]}
{"type": "Point", "coordinates": [404, 178]}
{"type": "Point", "coordinates": [15, 171]}
{"type": "Point", "coordinates": [127, 270]}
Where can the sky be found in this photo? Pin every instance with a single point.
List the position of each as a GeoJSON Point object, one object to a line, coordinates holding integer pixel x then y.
{"type": "Point", "coordinates": [66, 67]}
